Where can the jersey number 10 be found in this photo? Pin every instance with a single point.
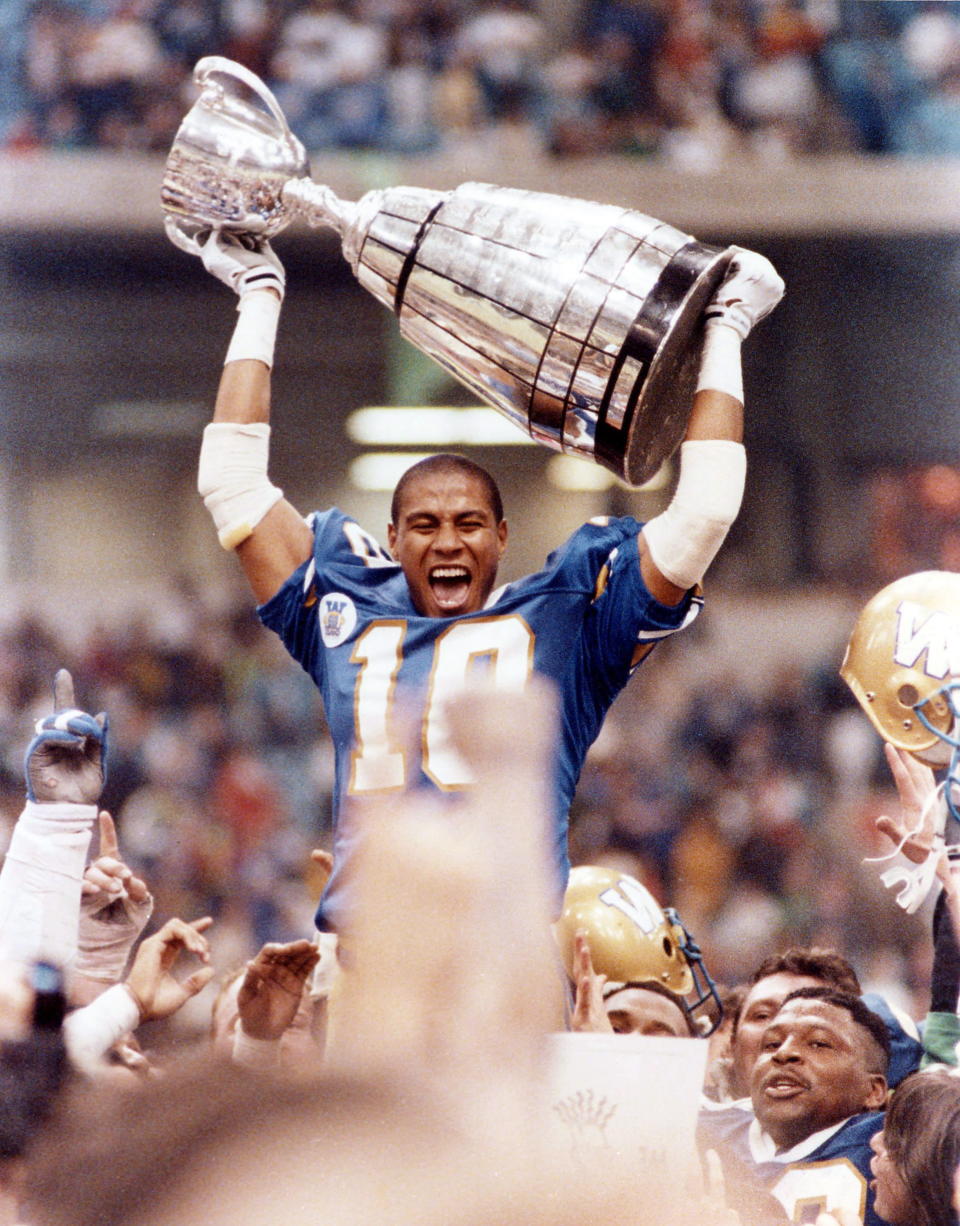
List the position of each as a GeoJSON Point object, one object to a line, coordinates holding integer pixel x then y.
{"type": "Point", "coordinates": [500, 647]}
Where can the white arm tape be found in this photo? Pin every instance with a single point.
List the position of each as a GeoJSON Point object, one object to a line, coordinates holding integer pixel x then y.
{"type": "Point", "coordinates": [720, 368]}
{"type": "Point", "coordinates": [233, 480]}
{"type": "Point", "coordinates": [90, 1032]}
{"type": "Point", "coordinates": [40, 882]}
{"type": "Point", "coordinates": [256, 332]}
{"type": "Point", "coordinates": [685, 538]}
{"type": "Point", "coordinates": [260, 1055]}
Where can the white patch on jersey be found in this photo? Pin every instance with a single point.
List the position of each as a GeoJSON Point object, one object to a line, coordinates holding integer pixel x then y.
{"type": "Point", "coordinates": [338, 618]}
{"type": "Point", "coordinates": [934, 632]}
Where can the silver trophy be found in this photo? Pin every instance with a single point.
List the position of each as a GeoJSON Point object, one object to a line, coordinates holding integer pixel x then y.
{"type": "Point", "coordinates": [581, 322]}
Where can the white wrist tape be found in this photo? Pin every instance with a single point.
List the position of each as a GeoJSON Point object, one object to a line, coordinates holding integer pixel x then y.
{"type": "Point", "coordinates": [720, 368]}
{"type": "Point", "coordinates": [40, 883]}
{"type": "Point", "coordinates": [90, 1032]}
{"type": "Point", "coordinates": [232, 479]}
{"type": "Point", "coordinates": [262, 1055]}
{"type": "Point", "coordinates": [256, 332]}
{"type": "Point", "coordinates": [685, 538]}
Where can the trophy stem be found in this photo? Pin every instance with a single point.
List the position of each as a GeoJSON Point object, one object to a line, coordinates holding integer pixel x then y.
{"type": "Point", "coordinates": [317, 204]}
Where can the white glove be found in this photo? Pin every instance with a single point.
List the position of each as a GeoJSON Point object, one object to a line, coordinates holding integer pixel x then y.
{"type": "Point", "coordinates": [242, 262]}
{"type": "Point", "coordinates": [751, 290]}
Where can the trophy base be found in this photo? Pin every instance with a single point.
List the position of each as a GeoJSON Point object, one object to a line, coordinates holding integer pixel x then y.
{"type": "Point", "coordinates": [668, 340]}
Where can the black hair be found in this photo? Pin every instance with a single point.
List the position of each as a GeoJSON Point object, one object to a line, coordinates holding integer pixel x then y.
{"type": "Point", "coordinates": [447, 462]}
{"type": "Point", "coordinates": [815, 963]}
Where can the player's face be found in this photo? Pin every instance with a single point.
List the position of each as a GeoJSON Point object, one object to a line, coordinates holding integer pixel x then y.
{"type": "Point", "coordinates": [758, 1009]}
{"type": "Point", "coordinates": [448, 542]}
{"type": "Point", "coordinates": [893, 1200]}
{"type": "Point", "coordinates": [813, 1071]}
{"type": "Point", "coordinates": [636, 1011]}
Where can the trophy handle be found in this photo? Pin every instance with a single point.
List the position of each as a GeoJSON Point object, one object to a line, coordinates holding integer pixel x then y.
{"type": "Point", "coordinates": [211, 65]}
{"type": "Point", "coordinates": [180, 238]}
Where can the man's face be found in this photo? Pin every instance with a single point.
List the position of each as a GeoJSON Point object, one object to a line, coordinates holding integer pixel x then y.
{"type": "Point", "coordinates": [448, 542]}
{"type": "Point", "coordinates": [637, 1011]}
{"type": "Point", "coordinates": [814, 1070]}
{"type": "Point", "coordinates": [759, 1006]}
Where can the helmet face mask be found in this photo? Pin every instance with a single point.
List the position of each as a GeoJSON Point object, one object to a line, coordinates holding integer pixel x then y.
{"type": "Point", "coordinates": [633, 940]}
{"type": "Point", "coordinates": [903, 665]}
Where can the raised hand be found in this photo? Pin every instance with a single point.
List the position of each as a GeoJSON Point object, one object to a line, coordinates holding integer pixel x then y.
{"type": "Point", "coordinates": [750, 291]}
{"type": "Point", "coordinates": [115, 906]}
{"type": "Point", "coordinates": [589, 1014]}
{"type": "Point", "coordinates": [242, 262]}
{"type": "Point", "coordinates": [273, 987]}
{"type": "Point", "coordinates": [151, 982]}
{"type": "Point", "coordinates": [913, 832]}
{"type": "Point", "coordinates": [65, 761]}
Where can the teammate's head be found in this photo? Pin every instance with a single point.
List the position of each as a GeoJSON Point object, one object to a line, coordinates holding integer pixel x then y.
{"type": "Point", "coordinates": [448, 533]}
{"type": "Point", "coordinates": [633, 940]}
{"type": "Point", "coordinates": [917, 1153]}
{"type": "Point", "coordinates": [771, 983]}
{"type": "Point", "coordinates": [823, 1058]}
{"type": "Point", "coordinates": [649, 1009]}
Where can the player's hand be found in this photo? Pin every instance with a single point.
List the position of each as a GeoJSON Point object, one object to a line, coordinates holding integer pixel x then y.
{"type": "Point", "coordinates": [115, 906]}
{"type": "Point", "coordinates": [65, 760]}
{"type": "Point", "coordinates": [589, 1014]}
{"type": "Point", "coordinates": [272, 987]}
{"type": "Point", "coordinates": [916, 826]}
{"type": "Point", "coordinates": [151, 981]}
{"type": "Point", "coordinates": [750, 291]}
{"type": "Point", "coordinates": [242, 262]}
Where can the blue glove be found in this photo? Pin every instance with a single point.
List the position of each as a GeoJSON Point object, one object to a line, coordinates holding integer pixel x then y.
{"type": "Point", "coordinates": [66, 760]}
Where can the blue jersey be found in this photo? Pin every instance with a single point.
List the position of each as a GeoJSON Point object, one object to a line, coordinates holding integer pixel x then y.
{"type": "Point", "coordinates": [585, 621]}
{"type": "Point", "coordinates": [825, 1173]}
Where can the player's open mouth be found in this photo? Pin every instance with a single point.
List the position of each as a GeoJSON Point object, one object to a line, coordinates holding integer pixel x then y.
{"type": "Point", "coordinates": [784, 1087]}
{"type": "Point", "coordinates": [450, 586]}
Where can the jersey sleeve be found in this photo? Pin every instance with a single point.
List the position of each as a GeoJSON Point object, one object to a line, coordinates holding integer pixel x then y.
{"type": "Point", "coordinates": [625, 621]}
{"type": "Point", "coordinates": [341, 548]}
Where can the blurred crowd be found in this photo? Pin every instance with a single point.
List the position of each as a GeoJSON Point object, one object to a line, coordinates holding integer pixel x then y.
{"type": "Point", "coordinates": [746, 802]}
{"type": "Point", "coordinates": [693, 82]}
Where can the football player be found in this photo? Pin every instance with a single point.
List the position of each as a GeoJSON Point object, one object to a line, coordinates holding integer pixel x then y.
{"type": "Point", "coordinates": [818, 1089]}
{"type": "Point", "coordinates": [407, 627]}
{"type": "Point", "coordinates": [634, 966]}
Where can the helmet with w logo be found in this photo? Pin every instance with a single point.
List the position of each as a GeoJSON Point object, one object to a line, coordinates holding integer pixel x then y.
{"type": "Point", "coordinates": [903, 664]}
{"type": "Point", "coordinates": [633, 939]}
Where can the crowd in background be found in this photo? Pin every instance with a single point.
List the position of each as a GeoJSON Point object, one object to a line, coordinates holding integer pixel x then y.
{"type": "Point", "coordinates": [694, 82]}
{"type": "Point", "coordinates": [747, 803]}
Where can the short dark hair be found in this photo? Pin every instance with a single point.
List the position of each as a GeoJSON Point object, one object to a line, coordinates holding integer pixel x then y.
{"type": "Point", "coordinates": [824, 964]}
{"type": "Point", "coordinates": [651, 985]}
{"type": "Point", "coordinates": [447, 462]}
{"type": "Point", "coordinates": [921, 1134]}
{"type": "Point", "coordinates": [862, 1015]}
{"type": "Point", "coordinates": [815, 963]}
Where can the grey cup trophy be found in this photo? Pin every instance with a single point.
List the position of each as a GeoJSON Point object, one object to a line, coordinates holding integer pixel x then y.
{"type": "Point", "coordinates": [581, 322]}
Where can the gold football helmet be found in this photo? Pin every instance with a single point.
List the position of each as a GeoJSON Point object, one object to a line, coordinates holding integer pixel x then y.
{"type": "Point", "coordinates": [633, 939]}
{"type": "Point", "coordinates": [903, 664]}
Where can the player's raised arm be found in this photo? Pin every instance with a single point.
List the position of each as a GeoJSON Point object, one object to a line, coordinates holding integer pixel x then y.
{"type": "Point", "coordinates": [677, 546]}
{"type": "Point", "coordinates": [250, 513]}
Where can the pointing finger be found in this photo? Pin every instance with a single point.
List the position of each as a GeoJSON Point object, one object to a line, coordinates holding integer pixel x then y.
{"type": "Point", "coordinates": [109, 844]}
{"type": "Point", "coordinates": [63, 690]}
